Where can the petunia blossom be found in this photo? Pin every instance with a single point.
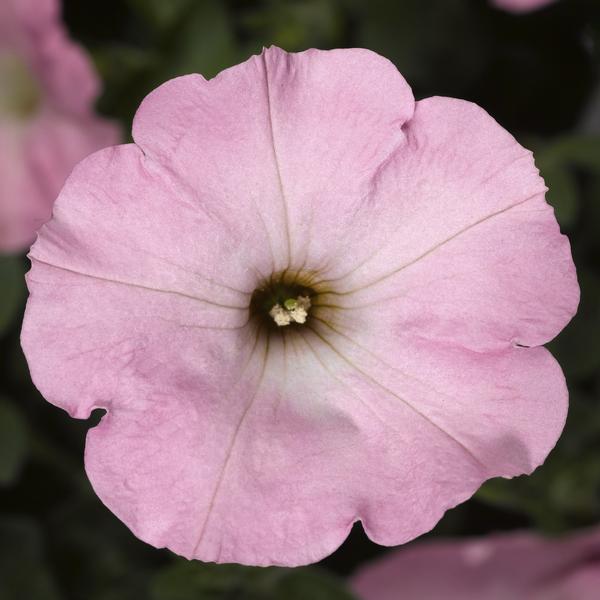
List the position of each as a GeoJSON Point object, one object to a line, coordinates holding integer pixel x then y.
{"type": "Point", "coordinates": [521, 6]}
{"type": "Point", "coordinates": [47, 123]}
{"type": "Point", "coordinates": [304, 300]}
{"type": "Point", "coordinates": [515, 566]}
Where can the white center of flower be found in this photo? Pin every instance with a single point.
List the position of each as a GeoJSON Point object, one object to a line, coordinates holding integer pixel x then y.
{"type": "Point", "coordinates": [294, 310]}
{"type": "Point", "coordinates": [19, 92]}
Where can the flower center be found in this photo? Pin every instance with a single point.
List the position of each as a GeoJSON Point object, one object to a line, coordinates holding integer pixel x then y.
{"type": "Point", "coordinates": [283, 301]}
{"type": "Point", "coordinates": [19, 92]}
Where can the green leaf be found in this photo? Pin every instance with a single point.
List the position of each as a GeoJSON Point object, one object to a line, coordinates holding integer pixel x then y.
{"type": "Point", "coordinates": [200, 581]}
{"type": "Point", "coordinates": [125, 87]}
{"type": "Point", "coordinates": [294, 25]}
{"type": "Point", "coordinates": [562, 192]}
{"type": "Point", "coordinates": [132, 61]}
{"type": "Point", "coordinates": [562, 493]}
{"type": "Point", "coordinates": [23, 572]}
{"type": "Point", "coordinates": [161, 14]}
{"type": "Point", "coordinates": [13, 442]}
{"type": "Point", "coordinates": [313, 583]}
{"type": "Point", "coordinates": [420, 39]}
{"type": "Point", "coordinates": [577, 348]}
{"type": "Point", "coordinates": [12, 289]}
{"type": "Point", "coordinates": [556, 161]}
{"type": "Point", "coordinates": [579, 150]}
{"type": "Point", "coordinates": [98, 554]}
{"type": "Point", "coordinates": [202, 43]}
{"type": "Point", "coordinates": [125, 593]}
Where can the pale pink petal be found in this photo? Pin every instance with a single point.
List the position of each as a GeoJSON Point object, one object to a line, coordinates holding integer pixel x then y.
{"type": "Point", "coordinates": [467, 250]}
{"type": "Point", "coordinates": [177, 457]}
{"type": "Point", "coordinates": [20, 20]}
{"type": "Point", "coordinates": [103, 275]}
{"type": "Point", "coordinates": [521, 6]}
{"type": "Point", "coordinates": [295, 137]}
{"type": "Point", "coordinates": [121, 216]}
{"type": "Point", "coordinates": [56, 142]}
{"type": "Point", "coordinates": [42, 146]}
{"type": "Point", "coordinates": [37, 158]}
{"type": "Point", "coordinates": [121, 317]}
{"type": "Point", "coordinates": [69, 78]}
{"type": "Point", "coordinates": [240, 468]}
{"type": "Point", "coordinates": [336, 118]}
{"type": "Point", "coordinates": [448, 419]}
{"type": "Point", "coordinates": [33, 29]}
{"type": "Point", "coordinates": [516, 566]}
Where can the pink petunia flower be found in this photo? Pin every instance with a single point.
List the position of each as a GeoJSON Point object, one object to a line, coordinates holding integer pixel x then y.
{"type": "Point", "coordinates": [47, 124]}
{"type": "Point", "coordinates": [521, 6]}
{"type": "Point", "coordinates": [516, 566]}
{"type": "Point", "coordinates": [304, 300]}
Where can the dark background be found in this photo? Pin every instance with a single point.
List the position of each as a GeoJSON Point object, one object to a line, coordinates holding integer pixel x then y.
{"type": "Point", "coordinates": [537, 74]}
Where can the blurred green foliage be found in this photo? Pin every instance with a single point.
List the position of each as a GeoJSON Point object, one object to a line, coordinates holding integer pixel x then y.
{"type": "Point", "coordinates": [24, 572]}
{"type": "Point", "coordinates": [564, 492]}
{"type": "Point", "coordinates": [13, 290]}
{"type": "Point", "coordinates": [14, 442]}
{"type": "Point", "coordinates": [194, 581]}
{"type": "Point", "coordinates": [538, 74]}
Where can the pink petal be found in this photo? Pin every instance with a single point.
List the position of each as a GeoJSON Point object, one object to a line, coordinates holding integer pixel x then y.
{"type": "Point", "coordinates": [469, 252]}
{"type": "Point", "coordinates": [34, 30]}
{"type": "Point", "coordinates": [20, 19]}
{"type": "Point", "coordinates": [116, 319]}
{"type": "Point", "coordinates": [518, 566]}
{"type": "Point", "coordinates": [121, 216]}
{"type": "Point", "coordinates": [68, 75]}
{"type": "Point", "coordinates": [580, 583]}
{"type": "Point", "coordinates": [295, 137]}
{"type": "Point", "coordinates": [41, 149]}
{"type": "Point", "coordinates": [36, 160]}
{"type": "Point", "coordinates": [237, 469]}
{"type": "Point", "coordinates": [521, 6]}
{"type": "Point", "coordinates": [55, 143]}
{"type": "Point", "coordinates": [177, 457]}
{"type": "Point", "coordinates": [443, 420]}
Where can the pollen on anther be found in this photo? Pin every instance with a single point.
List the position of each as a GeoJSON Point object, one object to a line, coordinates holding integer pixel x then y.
{"type": "Point", "coordinates": [294, 310]}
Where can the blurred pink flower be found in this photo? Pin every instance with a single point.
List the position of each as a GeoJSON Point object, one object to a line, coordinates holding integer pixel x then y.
{"type": "Point", "coordinates": [516, 566]}
{"type": "Point", "coordinates": [304, 300]}
{"type": "Point", "coordinates": [521, 6]}
{"type": "Point", "coordinates": [47, 124]}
